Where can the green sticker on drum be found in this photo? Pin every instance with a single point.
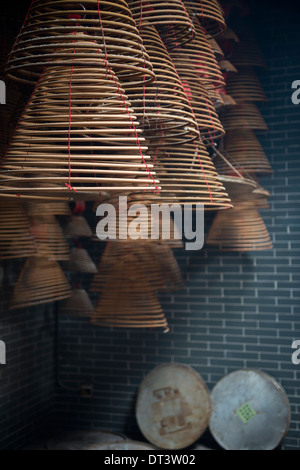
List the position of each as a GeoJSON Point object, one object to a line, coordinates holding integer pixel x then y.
{"type": "Point", "coordinates": [246, 413]}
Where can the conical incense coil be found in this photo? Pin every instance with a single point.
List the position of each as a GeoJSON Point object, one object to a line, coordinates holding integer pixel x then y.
{"type": "Point", "coordinates": [128, 300]}
{"type": "Point", "coordinates": [228, 34]}
{"type": "Point", "coordinates": [245, 86]}
{"type": "Point", "coordinates": [199, 56]}
{"type": "Point", "coordinates": [238, 186]}
{"type": "Point", "coordinates": [48, 35]}
{"type": "Point", "coordinates": [226, 66]}
{"type": "Point", "coordinates": [162, 107]}
{"type": "Point", "coordinates": [228, 100]}
{"type": "Point", "coordinates": [188, 176]}
{"type": "Point", "coordinates": [142, 257]}
{"type": "Point", "coordinates": [209, 14]}
{"type": "Point", "coordinates": [137, 222]}
{"type": "Point", "coordinates": [80, 262]}
{"type": "Point", "coordinates": [79, 305]}
{"type": "Point", "coordinates": [247, 52]}
{"type": "Point", "coordinates": [170, 19]}
{"type": "Point", "coordinates": [206, 116]}
{"type": "Point", "coordinates": [244, 150]}
{"type": "Point", "coordinates": [41, 281]}
{"type": "Point", "coordinates": [169, 266]}
{"type": "Point", "coordinates": [47, 208]}
{"type": "Point", "coordinates": [78, 226]}
{"type": "Point", "coordinates": [239, 229]}
{"type": "Point", "coordinates": [243, 116]}
{"type": "Point", "coordinates": [78, 134]}
{"type": "Point", "coordinates": [16, 238]}
{"type": "Point", "coordinates": [216, 97]}
{"type": "Point", "coordinates": [50, 239]}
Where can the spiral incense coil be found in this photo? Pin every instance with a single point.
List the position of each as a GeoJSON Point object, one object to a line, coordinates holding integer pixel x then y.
{"type": "Point", "coordinates": [79, 305]}
{"type": "Point", "coordinates": [247, 52]}
{"type": "Point", "coordinates": [219, 54]}
{"type": "Point", "coordinates": [199, 55]}
{"type": "Point", "coordinates": [16, 238]}
{"type": "Point", "coordinates": [244, 150]}
{"type": "Point", "coordinates": [170, 19]}
{"type": "Point", "coordinates": [169, 266]}
{"type": "Point", "coordinates": [216, 97]}
{"type": "Point", "coordinates": [243, 116]}
{"type": "Point", "coordinates": [137, 224]}
{"type": "Point", "coordinates": [41, 281]}
{"type": "Point", "coordinates": [188, 176]}
{"type": "Point", "coordinates": [78, 134]}
{"type": "Point", "coordinates": [80, 262]}
{"type": "Point", "coordinates": [209, 14]}
{"type": "Point", "coordinates": [128, 300]}
{"type": "Point", "coordinates": [245, 86]}
{"type": "Point", "coordinates": [104, 28]}
{"type": "Point", "coordinates": [77, 226]}
{"type": "Point", "coordinates": [162, 107]}
{"type": "Point", "coordinates": [142, 257]}
{"type": "Point", "coordinates": [239, 229]}
{"type": "Point", "coordinates": [207, 118]}
{"type": "Point", "coordinates": [47, 208]}
{"type": "Point", "coordinates": [50, 239]}
{"type": "Point", "coordinates": [226, 66]}
{"type": "Point", "coordinates": [228, 100]}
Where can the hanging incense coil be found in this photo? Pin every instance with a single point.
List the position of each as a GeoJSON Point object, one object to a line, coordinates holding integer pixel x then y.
{"type": "Point", "coordinates": [210, 15]}
{"type": "Point", "coordinates": [142, 257]}
{"type": "Point", "coordinates": [216, 97]}
{"type": "Point", "coordinates": [199, 56]}
{"type": "Point", "coordinates": [80, 262]}
{"type": "Point", "coordinates": [245, 86]}
{"type": "Point", "coordinates": [162, 107]}
{"type": "Point", "coordinates": [244, 150]}
{"type": "Point", "coordinates": [239, 229]}
{"type": "Point", "coordinates": [79, 305]}
{"type": "Point", "coordinates": [41, 281]}
{"type": "Point", "coordinates": [170, 19]}
{"type": "Point", "coordinates": [77, 135]}
{"type": "Point", "coordinates": [137, 223]}
{"type": "Point", "coordinates": [156, 259]}
{"type": "Point", "coordinates": [219, 54]}
{"type": "Point", "coordinates": [99, 29]}
{"type": "Point", "coordinates": [247, 52]}
{"type": "Point", "coordinates": [47, 208]}
{"type": "Point", "coordinates": [78, 226]}
{"type": "Point", "coordinates": [50, 239]}
{"type": "Point", "coordinates": [16, 238]}
{"type": "Point", "coordinates": [128, 300]}
{"type": "Point", "coordinates": [228, 100]}
{"type": "Point", "coordinates": [169, 266]}
{"type": "Point", "coordinates": [243, 116]}
{"type": "Point", "coordinates": [207, 118]}
{"type": "Point", "coordinates": [228, 34]}
{"type": "Point", "coordinates": [188, 176]}
{"type": "Point", "coordinates": [239, 187]}
{"type": "Point", "coordinates": [226, 66]}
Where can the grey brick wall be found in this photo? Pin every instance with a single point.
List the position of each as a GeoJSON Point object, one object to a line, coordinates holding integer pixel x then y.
{"type": "Point", "coordinates": [27, 381]}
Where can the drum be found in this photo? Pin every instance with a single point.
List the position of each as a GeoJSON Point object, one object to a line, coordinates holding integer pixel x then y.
{"type": "Point", "coordinates": [173, 406]}
{"type": "Point", "coordinates": [250, 411]}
